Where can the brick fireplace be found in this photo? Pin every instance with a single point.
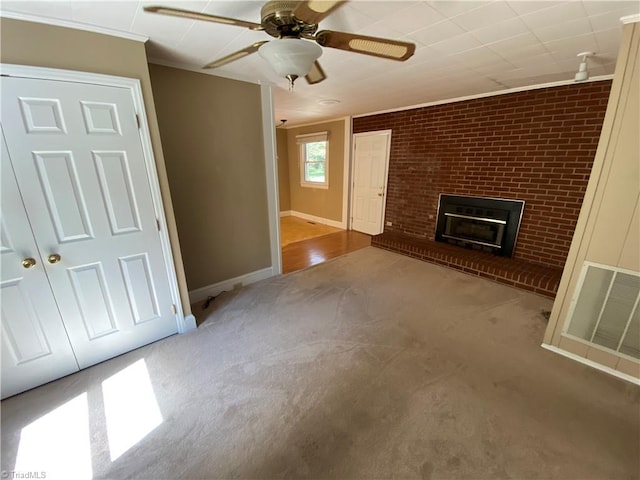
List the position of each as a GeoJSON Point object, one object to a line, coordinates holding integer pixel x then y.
{"type": "Point", "coordinates": [537, 146]}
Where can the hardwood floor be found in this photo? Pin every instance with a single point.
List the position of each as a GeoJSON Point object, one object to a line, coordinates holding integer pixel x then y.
{"type": "Point", "coordinates": [294, 229]}
{"type": "Point", "coordinates": [299, 255]}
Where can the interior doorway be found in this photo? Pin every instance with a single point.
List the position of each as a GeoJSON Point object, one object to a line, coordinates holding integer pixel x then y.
{"type": "Point", "coordinates": [314, 222]}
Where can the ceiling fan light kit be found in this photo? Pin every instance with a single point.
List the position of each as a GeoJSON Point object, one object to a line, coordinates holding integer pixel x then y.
{"type": "Point", "coordinates": [290, 57]}
{"type": "Point", "coordinates": [294, 25]}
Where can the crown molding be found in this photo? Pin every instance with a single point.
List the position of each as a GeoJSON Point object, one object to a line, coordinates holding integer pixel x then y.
{"type": "Point", "coordinates": [631, 18]}
{"type": "Point", "coordinates": [56, 22]}
{"type": "Point", "coordinates": [317, 122]}
{"type": "Point", "coordinates": [211, 72]}
{"type": "Point", "coordinates": [484, 95]}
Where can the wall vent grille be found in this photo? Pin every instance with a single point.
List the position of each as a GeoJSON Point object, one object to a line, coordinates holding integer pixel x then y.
{"type": "Point", "coordinates": [605, 310]}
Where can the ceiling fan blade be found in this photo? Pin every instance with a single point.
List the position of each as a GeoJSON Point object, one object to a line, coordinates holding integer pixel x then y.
{"type": "Point", "coordinates": [313, 11]}
{"type": "Point", "coordinates": [235, 55]}
{"type": "Point", "coordinates": [316, 74]}
{"type": "Point", "coordinates": [178, 12]}
{"type": "Point", "coordinates": [378, 47]}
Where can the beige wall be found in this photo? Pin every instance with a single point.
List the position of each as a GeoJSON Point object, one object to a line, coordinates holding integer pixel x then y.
{"type": "Point", "coordinates": [283, 170]}
{"type": "Point", "coordinates": [35, 44]}
{"type": "Point", "coordinates": [324, 203]}
{"type": "Point", "coordinates": [608, 230]}
{"type": "Point", "coordinates": [211, 131]}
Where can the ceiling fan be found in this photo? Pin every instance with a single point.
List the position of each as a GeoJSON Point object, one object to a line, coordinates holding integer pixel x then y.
{"type": "Point", "coordinates": [294, 26]}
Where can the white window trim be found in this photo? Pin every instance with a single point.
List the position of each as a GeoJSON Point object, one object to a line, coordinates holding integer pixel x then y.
{"type": "Point", "coordinates": [302, 140]}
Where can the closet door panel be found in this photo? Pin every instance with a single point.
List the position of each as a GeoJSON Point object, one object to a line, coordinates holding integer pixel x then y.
{"type": "Point", "coordinates": [86, 190]}
{"type": "Point", "coordinates": [35, 346]}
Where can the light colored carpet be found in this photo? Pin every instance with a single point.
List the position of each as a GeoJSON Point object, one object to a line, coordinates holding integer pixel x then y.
{"type": "Point", "coordinates": [373, 365]}
{"type": "Point", "coordinates": [294, 229]}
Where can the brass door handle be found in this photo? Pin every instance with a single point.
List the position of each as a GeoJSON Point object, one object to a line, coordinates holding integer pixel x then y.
{"type": "Point", "coordinates": [28, 262]}
{"type": "Point", "coordinates": [379, 194]}
{"type": "Point", "coordinates": [53, 258]}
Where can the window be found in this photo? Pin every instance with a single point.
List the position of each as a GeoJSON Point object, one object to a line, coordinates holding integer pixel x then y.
{"type": "Point", "coordinates": [314, 160]}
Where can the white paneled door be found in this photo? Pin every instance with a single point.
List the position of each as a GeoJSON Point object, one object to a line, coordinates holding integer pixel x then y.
{"type": "Point", "coordinates": [35, 347]}
{"type": "Point", "coordinates": [77, 157]}
{"type": "Point", "coordinates": [370, 168]}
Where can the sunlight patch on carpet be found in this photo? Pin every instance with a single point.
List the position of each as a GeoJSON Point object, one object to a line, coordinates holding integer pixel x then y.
{"type": "Point", "coordinates": [130, 407]}
{"type": "Point", "coordinates": [58, 443]}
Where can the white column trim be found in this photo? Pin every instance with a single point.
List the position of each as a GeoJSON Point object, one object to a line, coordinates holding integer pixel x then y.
{"type": "Point", "coordinates": [346, 181]}
{"type": "Point", "coordinates": [271, 170]}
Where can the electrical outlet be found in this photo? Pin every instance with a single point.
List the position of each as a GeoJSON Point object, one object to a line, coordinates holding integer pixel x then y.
{"type": "Point", "coordinates": [388, 224]}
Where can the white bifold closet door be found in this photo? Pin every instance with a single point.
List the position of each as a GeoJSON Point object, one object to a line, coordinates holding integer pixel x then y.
{"type": "Point", "coordinates": [79, 203]}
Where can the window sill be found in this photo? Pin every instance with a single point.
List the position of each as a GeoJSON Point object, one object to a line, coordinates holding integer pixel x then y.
{"type": "Point", "coordinates": [315, 185]}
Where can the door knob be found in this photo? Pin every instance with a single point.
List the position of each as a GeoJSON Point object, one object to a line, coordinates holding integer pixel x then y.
{"type": "Point", "coordinates": [53, 258]}
{"type": "Point", "coordinates": [379, 194]}
{"type": "Point", "coordinates": [28, 262]}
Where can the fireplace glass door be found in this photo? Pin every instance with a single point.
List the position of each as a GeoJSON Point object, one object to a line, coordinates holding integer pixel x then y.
{"type": "Point", "coordinates": [481, 231]}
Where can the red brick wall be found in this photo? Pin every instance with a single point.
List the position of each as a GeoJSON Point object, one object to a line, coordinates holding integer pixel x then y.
{"type": "Point", "coordinates": [537, 146]}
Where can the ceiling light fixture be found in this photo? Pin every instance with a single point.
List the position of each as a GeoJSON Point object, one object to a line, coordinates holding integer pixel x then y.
{"type": "Point", "coordinates": [290, 57]}
{"type": "Point", "coordinates": [582, 73]}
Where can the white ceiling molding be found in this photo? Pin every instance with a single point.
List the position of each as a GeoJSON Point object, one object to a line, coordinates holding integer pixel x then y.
{"type": "Point", "coordinates": [316, 122]}
{"type": "Point", "coordinates": [213, 73]}
{"type": "Point", "coordinates": [485, 95]}
{"type": "Point", "coordinates": [630, 19]}
{"type": "Point", "coordinates": [56, 22]}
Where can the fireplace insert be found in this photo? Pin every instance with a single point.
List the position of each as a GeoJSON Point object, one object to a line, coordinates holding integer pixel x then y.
{"type": "Point", "coordinates": [489, 224]}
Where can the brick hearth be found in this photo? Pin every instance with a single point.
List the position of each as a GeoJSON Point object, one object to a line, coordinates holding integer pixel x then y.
{"type": "Point", "coordinates": [537, 278]}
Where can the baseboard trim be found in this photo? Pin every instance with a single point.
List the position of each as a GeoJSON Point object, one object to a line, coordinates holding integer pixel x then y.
{"type": "Point", "coordinates": [324, 221]}
{"type": "Point", "coordinates": [591, 363]}
{"type": "Point", "coordinates": [188, 324]}
{"type": "Point", "coordinates": [226, 285]}
{"type": "Point", "coordinates": [285, 213]}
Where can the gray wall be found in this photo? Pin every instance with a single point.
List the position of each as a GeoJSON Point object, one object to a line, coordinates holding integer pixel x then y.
{"type": "Point", "coordinates": [211, 130]}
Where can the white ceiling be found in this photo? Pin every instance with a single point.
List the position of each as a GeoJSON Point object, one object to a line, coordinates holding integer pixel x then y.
{"type": "Point", "coordinates": [463, 47]}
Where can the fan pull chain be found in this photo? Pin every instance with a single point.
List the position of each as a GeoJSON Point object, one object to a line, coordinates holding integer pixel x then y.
{"type": "Point", "coordinates": [291, 78]}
